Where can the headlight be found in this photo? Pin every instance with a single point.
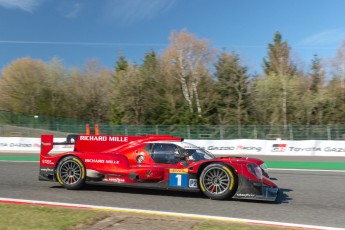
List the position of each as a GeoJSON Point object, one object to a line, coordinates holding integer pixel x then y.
{"type": "Point", "coordinates": [255, 170]}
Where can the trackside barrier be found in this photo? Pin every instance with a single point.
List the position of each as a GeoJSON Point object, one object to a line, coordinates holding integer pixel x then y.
{"type": "Point", "coordinates": [29, 145]}
{"type": "Point", "coordinates": [217, 147]}
{"type": "Point", "coordinates": [272, 147]}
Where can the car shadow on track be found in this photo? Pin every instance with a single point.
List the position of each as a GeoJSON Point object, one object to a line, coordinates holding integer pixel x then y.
{"type": "Point", "coordinates": [139, 191]}
{"type": "Point", "coordinates": [282, 197]}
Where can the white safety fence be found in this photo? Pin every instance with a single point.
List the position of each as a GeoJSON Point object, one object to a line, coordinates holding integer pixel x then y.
{"type": "Point", "coordinates": [217, 147]}
{"type": "Point", "coordinates": [29, 145]}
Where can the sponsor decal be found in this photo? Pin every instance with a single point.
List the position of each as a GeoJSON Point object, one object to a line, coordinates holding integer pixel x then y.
{"type": "Point", "coordinates": [278, 148]}
{"type": "Point", "coordinates": [149, 173]}
{"type": "Point", "coordinates": [46, 143]}
{"type": "Point", "coordinates": [101, 161]}
{"type": "Point", "coordinates": [140, 159]}
{"type": "Point", "coordinates": [221, 148]}
{"type": "Point", "coordinates": [245, 195]}
{"type": "Point", "coordinates": [47, 170]}
{"type": "Point", "coordinates": [188, 147]}
{"type": "Point", "coordinates": [103, 138]}
{"type": "Point", "coordinates": [22, 145]}
{"type": "Point", "coordinates": [241, 147]}
{"type": "Point", "coordinates": [193, 183]}
{"type": "Point", "coordinates": [94, 161]}
{"type": "Point", "coordinates": [114, 179]}
{"type": "Point", "coordinates": [48, 162]}
{"type": "Point", "coordinates": [337, 150]}
{"type": "Point", "coordinates": [311, 149]}
{"type": "Point", "coordinates": [178, 171]}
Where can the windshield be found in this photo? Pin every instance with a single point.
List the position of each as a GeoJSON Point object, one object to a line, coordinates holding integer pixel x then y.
{"type": "Point", "coordinates": [199, 154]}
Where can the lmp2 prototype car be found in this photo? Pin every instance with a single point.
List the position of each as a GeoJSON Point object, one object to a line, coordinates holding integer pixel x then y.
{"type": "Point", "coordinates": [154, 161]}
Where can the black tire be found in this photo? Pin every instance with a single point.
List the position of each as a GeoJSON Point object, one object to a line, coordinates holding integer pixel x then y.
{"type": "Point", "coordinates": [218, 182]}
{"type": "Point", "coordinates": [70, 173]}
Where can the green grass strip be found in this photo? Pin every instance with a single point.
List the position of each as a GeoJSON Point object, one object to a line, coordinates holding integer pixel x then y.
{"type": "Point", "coordinates": [306, 165]}
{"type": "Point", "coordinates": [19, 158]}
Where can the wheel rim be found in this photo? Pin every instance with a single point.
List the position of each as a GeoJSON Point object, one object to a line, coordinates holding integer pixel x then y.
{"type": "Point", "coordinates": [216, 181]}
{"type": "Point", "coordinates": [70, 172]}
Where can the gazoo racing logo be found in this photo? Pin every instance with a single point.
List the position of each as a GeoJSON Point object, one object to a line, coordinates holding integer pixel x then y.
{"type": "Point", "coordinates": [278, 148]}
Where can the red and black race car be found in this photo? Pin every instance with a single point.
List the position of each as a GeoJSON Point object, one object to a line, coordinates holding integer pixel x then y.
{"type": "Point", "coordinates": [154, 161]}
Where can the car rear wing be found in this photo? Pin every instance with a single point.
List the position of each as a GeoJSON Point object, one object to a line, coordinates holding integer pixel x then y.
{"type": "Point", "coordinates": [47, 142]}
{"type": "Point", "coordinates": [98, 143]}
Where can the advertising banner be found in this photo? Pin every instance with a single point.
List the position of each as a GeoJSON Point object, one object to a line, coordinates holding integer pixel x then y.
{"type": "Point", "coordinates": [217, 147]}
{"type": "Point", "coordinates": [272, 147]}
{"type": "Point", "coordinates": [25, 144]}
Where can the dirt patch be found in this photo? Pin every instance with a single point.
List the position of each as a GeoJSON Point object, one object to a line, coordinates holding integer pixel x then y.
{"type": "Point", "coordinates": [136, 221]}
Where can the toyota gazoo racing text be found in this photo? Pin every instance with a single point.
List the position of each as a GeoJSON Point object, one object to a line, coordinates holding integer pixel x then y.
{"type": "Point", "coordinates": [154, 161]}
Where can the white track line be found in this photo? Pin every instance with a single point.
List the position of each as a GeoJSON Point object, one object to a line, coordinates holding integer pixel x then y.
{"type": "Point", "coordinates": [173, 214]}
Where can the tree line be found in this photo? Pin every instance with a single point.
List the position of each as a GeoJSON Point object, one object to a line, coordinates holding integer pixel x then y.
{"type": "Point", "coordinates": [189, 83]}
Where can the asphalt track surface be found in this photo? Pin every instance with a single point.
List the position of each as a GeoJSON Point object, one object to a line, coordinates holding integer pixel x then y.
{"type": "Point", "coordinates": [306, 197]}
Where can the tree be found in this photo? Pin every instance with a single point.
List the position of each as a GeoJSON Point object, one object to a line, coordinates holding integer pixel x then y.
{"type": "Point", "coordinates": [232, 86]}
{"type": "Point", "coordinates": [318, 92]}
{"type": "Point", "coordinates": [186, 59]}
{"type": "Point", "coordinates": [334, 109]}
{"type": "Point", "coordinates": [317, 75]}
{"type": "Point", "coordinates": [279, 64]}
{"type": "Point", "coordinates": [55, 90]}
{"type": "Point", "coordinates": [22, 85]}
{"type": "Point", "coordinates": [121, 63]}
{"type": "Point", "coordinates": [279, 59]}
{"type": "Point", "coordinates": [157, 97]}
{"type": "Point", "coordinates": [89, 93]}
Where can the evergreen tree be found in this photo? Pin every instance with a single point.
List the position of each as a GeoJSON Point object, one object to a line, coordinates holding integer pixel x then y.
{"type": "Point", "coordinates": [232, 87]}
{"type": "Point", "coordinates": [157, 109]}
{"type": "Point", "coordinates": [279, 60]}
{"type": "Point", "coordinates": [316, 74]}
{"type": "Point", "coordinates": [121, 64]}
{"type": "Point", "coordinates": [279, 65]}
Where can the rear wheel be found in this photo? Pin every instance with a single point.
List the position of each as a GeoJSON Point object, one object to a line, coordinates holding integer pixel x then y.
{"type": "Point", "coordinates": [218, 181]}
{"type": "Point", "coordinates": [71, 173]}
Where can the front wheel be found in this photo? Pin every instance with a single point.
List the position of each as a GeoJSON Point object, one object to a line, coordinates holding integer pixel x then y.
{"type": "Point", "coordinates": [71, 173]}
{"type": "Point", "coordinates": [218, 181]}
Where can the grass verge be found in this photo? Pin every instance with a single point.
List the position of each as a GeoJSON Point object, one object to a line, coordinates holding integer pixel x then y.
{"type": "Point", "coordinates": [13, 217]}
{"type": "Point", "coordinates": [30, 217]}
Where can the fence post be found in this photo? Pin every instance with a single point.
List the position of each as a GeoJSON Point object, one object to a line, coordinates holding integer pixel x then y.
{"type": "Point", "coordinates": [221, 132]}
{"type": "Point", "coordinates": [291, 132]}
{"type": "Point", "coordinates": [329, 137]}
{"type": "Point", "coordinates": [188, 131]}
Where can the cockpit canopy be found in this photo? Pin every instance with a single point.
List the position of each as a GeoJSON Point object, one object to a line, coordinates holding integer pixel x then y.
{"type": "Point", "coordinates": [173, 152]}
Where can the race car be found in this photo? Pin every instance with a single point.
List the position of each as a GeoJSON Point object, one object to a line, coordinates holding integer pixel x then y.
{"type": "Point", "coordinates": [154, 161]}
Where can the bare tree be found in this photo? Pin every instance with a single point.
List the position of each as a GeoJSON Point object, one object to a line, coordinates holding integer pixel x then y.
{"type": "Point", "coordinates": [186, 59]}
